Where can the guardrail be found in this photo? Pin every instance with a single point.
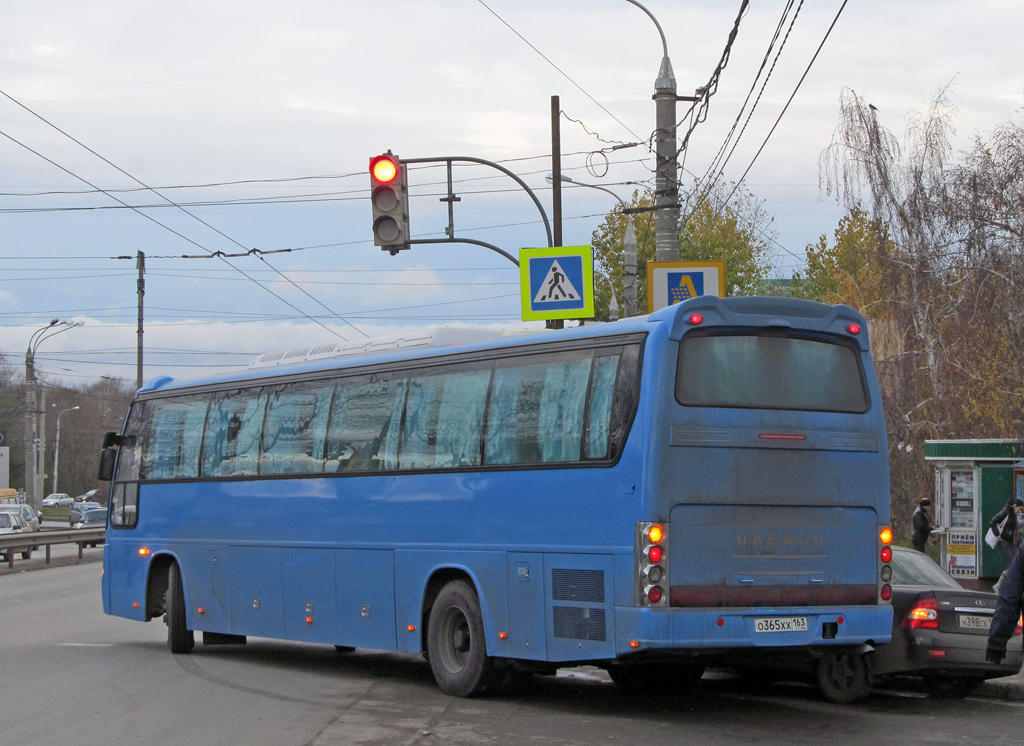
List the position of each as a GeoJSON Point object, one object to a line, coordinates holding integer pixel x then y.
{"type": "Point", "coordinates": [12, 544]}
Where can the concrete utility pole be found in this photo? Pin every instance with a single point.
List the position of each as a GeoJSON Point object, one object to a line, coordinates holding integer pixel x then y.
{"type": "Point", "coordinates": [140, 264]}
{"type": "Point", "coordinates": [666, 184]}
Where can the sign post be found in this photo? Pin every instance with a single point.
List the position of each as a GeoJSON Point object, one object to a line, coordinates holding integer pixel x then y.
{"type": "Point", "coordinates": [557, 283]}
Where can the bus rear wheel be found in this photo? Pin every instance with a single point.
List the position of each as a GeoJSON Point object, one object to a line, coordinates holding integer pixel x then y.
{"type": "Point", "coordinates": [456, 644]}
{"type": "Point", "coordinates": [843, 676]}
{"type": "Point", "coordinates": [180, 639]}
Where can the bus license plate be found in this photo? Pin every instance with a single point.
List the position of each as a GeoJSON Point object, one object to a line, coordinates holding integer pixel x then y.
{"type": "Point", "coordinates": [972, 621]}
{"type": "Point", "coordinates": [781, 624]}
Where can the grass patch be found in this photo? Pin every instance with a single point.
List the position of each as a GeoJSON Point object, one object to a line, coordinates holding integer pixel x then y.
{"type": "Point", "coordinates": [56, 514]}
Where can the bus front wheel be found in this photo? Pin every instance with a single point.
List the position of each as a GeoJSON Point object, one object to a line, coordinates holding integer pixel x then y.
{"type": "Point", "coordinates": [843, 676]}
{"type": "Point", "coordinates": [180, 639]}
{"type": "Point", "coordinates": [455, 641]}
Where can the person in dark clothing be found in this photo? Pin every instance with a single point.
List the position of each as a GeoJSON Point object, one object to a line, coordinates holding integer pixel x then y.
{"type": "Point", "coordinates": [1004, 525]}
{"type": "Point", "coordinates": [921, 525]}
{"type": "Point", "coordinates": [1008, 609]}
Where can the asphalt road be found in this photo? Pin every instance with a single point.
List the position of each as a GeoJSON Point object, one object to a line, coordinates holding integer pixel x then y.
{"type": "Point", "coordinates": [71, 675]}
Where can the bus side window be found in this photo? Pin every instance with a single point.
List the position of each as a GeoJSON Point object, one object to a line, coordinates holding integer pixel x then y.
{"type": "Point", "coordinates": [599, 414]}
{"type": "Point", "coordinates": [233, 429]}
{"type": "Point", "coordinates": [124, 504]}
{"type": "Point", "coordinates": [363, 424]}
{"type": "Point", "coordinates": [536, 411]}
{"type": "Point", "coordinates": [295, 429]}
{"type": "Point", "coordinates": [444, 417]}
{"type": "Point", "coordinates": [172, 441]}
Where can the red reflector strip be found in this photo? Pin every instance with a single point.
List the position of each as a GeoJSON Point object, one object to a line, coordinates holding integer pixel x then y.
{"type": "Point", "coordinates": [782, 436]}
{"type": "Point", "coordinates": [772, 595]}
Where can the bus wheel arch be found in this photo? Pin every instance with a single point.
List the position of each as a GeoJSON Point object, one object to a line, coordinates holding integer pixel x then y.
{"type": "Point", "coordinates": [455, 638]}
{"type": "Point", "coordinates": [156, 585]}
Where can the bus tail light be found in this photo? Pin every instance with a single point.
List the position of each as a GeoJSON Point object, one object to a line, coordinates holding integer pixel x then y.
{"type": "Point", "coordinates": [884, 568]}
{"type": "Point", "coordinates": [651, 564]}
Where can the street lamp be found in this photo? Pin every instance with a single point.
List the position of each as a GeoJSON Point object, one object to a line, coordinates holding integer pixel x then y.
{"type": "Point", "coordinates": [666, 188]}
{"type": "Point", "coordinates": [629, 249]}
{"type": "Point", "coordinates": [56, 445]}
{"type": "Point", "coordinates": [35, 412]}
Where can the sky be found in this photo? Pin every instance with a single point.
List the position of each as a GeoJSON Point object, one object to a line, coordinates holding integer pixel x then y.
{"type": "Point", "coordinates": [253, 123]}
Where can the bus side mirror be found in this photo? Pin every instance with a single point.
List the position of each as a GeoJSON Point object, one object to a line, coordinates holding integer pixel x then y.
{"type": "Point", "coordinates": [106, 470]}
{"type": "Point", "coordinates": [111, 439]}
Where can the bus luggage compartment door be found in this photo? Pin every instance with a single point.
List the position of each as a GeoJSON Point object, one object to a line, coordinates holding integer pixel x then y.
{"type": "Point", "coordinates": [759, 556]}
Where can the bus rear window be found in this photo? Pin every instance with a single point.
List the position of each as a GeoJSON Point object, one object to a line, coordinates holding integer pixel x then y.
{"type": "Point", "coordinates": [769, 371]}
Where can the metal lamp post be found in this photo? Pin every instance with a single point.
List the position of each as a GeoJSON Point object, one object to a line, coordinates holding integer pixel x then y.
{"type": "Point", "coordinates": [629, 248]}
{"type": "Point", "coordinates": [56, 445]}
{"type": "Point", "coordinates": [35, 414]}
{"type": "Point", "coordinates": [666, 185]}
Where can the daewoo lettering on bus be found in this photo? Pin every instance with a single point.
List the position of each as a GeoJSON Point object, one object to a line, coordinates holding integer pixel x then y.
{"type": "Point", "coordinates": [650, 495]}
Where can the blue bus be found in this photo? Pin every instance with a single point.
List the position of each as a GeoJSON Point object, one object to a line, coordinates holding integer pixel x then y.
{"type": "Point", "coordinates": [648, 495]}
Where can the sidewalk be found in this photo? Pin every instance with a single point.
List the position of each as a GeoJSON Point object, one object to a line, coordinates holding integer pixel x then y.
{"type": "Point", "coordinates": [1010, 688]}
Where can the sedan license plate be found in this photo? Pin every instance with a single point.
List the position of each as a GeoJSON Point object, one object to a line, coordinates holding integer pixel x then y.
{"type": "Point", "coordinates": [781, 624]}
{"type": "Point", "coordinates": [973, 621]}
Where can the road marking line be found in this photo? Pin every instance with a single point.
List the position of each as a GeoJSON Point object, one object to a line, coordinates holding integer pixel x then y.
{"type": "Point", "coordinates": [86, 645]}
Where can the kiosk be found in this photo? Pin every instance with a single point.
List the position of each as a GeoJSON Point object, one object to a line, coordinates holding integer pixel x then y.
{"type": "Point", "coordinates": [973, 481]}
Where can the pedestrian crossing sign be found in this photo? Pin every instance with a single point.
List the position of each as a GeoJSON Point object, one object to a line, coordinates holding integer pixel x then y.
{"type": "Point", "coordinates": [557, 283]}
{"type": "Point", "coordinates": [669, 283]}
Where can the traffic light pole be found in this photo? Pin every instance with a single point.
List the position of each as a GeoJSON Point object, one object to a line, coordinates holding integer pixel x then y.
{"type": "Point", "coordinates": [451, 198]}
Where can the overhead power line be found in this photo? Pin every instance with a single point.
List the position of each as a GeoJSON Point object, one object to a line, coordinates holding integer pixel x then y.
{"type": "Point", "coordinates": [560, 70]}
{"type": "Point", "coordinates": [148, 217]}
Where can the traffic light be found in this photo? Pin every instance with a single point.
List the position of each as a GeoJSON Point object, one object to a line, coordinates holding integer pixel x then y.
{"type": "Point", "coordinates": [389, 195]}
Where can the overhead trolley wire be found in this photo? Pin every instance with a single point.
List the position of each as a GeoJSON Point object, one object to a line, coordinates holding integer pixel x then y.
{"type": "Point", "coordinates": [195, 217]}
{"type": "Point", "coordinates": [560, 71]}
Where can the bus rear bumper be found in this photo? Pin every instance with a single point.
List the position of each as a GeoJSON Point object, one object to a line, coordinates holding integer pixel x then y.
{"type": "Point", "coordinates": [640, 629]}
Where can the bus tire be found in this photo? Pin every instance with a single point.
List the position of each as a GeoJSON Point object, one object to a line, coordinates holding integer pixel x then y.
{"type": "Point", "coordinates": [180, 639]}
{"type": "Point", "coordinates": [843, 676]}
{"type": "Point", "coordinates": [456, 643]}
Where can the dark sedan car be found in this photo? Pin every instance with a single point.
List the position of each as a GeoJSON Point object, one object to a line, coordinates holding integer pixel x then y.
{"type": "Point", "coordinates": [940, 630]}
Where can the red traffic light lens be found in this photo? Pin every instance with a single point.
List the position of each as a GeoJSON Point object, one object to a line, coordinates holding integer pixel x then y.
{"type": "Point", "coordinates": [384, 169]}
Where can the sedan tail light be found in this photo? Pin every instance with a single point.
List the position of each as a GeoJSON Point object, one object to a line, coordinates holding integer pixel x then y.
{"type": "Point", "coordinates": [1020, 626]}
{"type": "Point", "coordinates": [924, 614]}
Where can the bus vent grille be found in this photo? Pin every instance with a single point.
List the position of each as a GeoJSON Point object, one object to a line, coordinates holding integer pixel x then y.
{"type": "Point", "coordinates": [586, 586]}
{"type": "Point", "coordinates": [577, 623]}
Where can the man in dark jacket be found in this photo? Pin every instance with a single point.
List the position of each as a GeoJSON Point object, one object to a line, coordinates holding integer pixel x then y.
{"type": "Point", "coordinates": [1004, 525]}
{"type": "Point", "coordinates": [1008, 608]}
{"type": "Point", "coordinates": [921, 525]}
